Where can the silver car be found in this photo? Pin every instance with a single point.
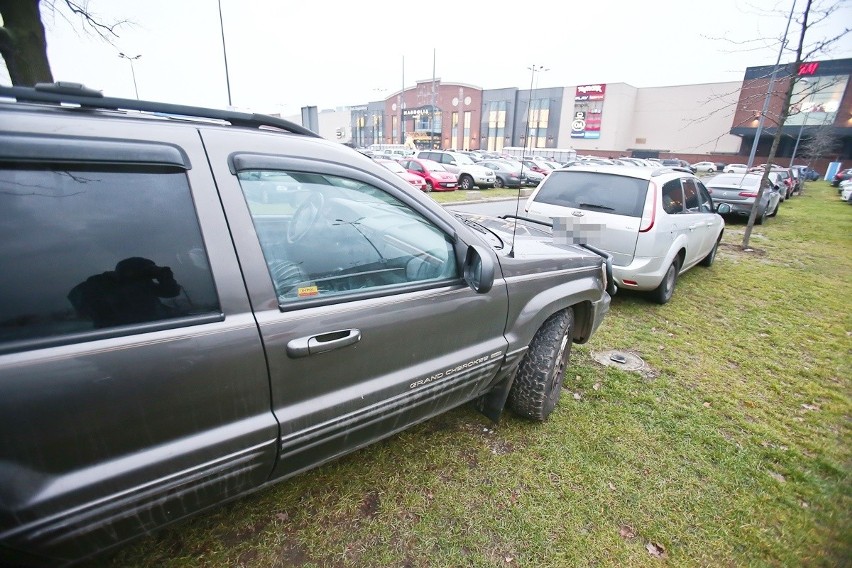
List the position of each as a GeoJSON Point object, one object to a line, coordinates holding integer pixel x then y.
{"type": "Point", "coordinates": [740, 191]}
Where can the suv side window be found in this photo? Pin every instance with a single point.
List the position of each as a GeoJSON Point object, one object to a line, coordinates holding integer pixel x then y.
{"type": "Point", "coordinates": [87, 248]}
{"type": "Point", "coordinates": [672, 197]}
{"type": "Point", "coordinates": [429, 156]}
{"type": "Point", "coordinates": [329, 236]}
{"type": "Point", "coordinates": [690, 194]}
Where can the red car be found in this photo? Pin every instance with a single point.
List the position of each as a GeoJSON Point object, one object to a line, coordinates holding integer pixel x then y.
{"type": "Point", "coordinates": [437, 177]}
{"type": "Point", "coordinates": [840, 176]}
{"type": "Point", "coordinates": [417, 181]}
{"type": "Point", "coordinates": [536, 165]}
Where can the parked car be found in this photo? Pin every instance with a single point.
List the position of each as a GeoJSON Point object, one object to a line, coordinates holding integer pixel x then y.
{"type": "Point", "coordinates": [703, 167]}
{"type": "Point", "coordinates": [808, 173]}
{"type": "Point", "coordinates": [536, 165]}
{"type": "Point", "coordinates": [417, 181]}
{"type": "Point", "coordinates": [840, 176]}
{"type": "Point", "coordinates": [436, 176]}
{"type": "Point", "coordinates": [507, 174]}
{"type": "Point", "coordinates": [677, 163]}
{"type": "Point", "coordinates": [736, 169]}
{"type": "Point", "coordinates": [740, 192]}
{"type": "Point", "coordinates": [656, 223]}
{"type": "Point", "coordinates": [846, 191]}
{"type": "Point", "coordinates": [469, 174]}
{"type": "Point", "coordinates": [167, 343]}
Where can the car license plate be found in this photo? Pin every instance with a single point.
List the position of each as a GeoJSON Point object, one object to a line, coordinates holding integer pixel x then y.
{"type": "Point", "coordinates": [451, 185]}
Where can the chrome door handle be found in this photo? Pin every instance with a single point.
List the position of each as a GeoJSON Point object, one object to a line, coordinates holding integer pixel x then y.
{"type": "Point", "coordinates": [304, 346]}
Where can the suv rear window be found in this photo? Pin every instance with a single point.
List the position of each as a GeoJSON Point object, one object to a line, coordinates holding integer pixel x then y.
{"type": "Point", "coordinates": [607, 193]}
{"type": "Point", "coordinates": [88, 249]}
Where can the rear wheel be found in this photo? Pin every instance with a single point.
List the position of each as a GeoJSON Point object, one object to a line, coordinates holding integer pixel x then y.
{"type": "Point", "coordinates": [761, 219]}
{"type": "Point", "coordinates": [775, 211]}
{"type": "Point", "coordinates": [663, 293]}
{"type": "Point", "coordinates": [538, 384]}
{"type": "Point", "coordinates": [711, 256]}
{"type": "Point", "coordinates": [466, 182]}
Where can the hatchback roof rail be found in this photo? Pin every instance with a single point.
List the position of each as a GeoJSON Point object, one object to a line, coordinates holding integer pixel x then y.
{"type": "Point", "coordinates": [75, 93]}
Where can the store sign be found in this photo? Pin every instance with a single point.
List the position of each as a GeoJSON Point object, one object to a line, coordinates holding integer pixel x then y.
{"type": "Point", "coordinates": [417, 111]}
{"type": "Point", "coordinates": [588, 111]}
{"type": "Point", "coordinates": [808, 68]}
{"type": "Point", "coordinates": [590, 93]}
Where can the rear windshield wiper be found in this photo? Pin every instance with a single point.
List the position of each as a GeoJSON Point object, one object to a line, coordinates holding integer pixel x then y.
{"type": "Point", "coordinates": [596, 206]}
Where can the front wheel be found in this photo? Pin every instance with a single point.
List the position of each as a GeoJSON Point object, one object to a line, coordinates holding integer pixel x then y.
{"type": "Point", "coordinates": [775, 211]}
{"type": "Point", "coordinates": [466, 182]}
{"type": "Point", "coordinates": [429, 186]}
{"type": "Point", "coordinates": [663, 293]}
{"type": "Point", "coordinates": [538, 384]}
{"type": "Point", "coordinates": [498, 183]}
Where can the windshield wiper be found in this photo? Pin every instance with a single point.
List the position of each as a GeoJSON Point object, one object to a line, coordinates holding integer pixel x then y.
{"type": "Point", "coordinates": [596, 206]}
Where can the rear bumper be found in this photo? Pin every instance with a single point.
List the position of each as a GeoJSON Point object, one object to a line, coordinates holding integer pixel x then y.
{"type": "Point", "coordinates": [646, 272]}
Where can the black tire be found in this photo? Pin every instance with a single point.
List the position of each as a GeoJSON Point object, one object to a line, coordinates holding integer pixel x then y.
{"type": "Point", "coordinates": [498, 183]}
{"type": "Point", "coordinates": [465, 182]}
{"type": "Point", "coordinates": [663, 293]}
{"type": "Point", "coordinates": [429, 187]}
{"type": "Point", "coordinates": [711, 256]}
{"type": "Point", "coordinates": [761, 219]}
{"type": "Point", "coordinates": [538, 384]}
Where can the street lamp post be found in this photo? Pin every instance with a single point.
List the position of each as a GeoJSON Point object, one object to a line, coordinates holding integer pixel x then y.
{"type": "Point", "coordinates": [534, 69]}
{"type": "Point", "coordinates": [132, 71]}
{"type": "Point", "coordinates": [801, 128]}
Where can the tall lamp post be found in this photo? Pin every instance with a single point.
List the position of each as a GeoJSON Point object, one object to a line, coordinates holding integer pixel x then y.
{"type": "Point", "coordinates": [533, 69]}
{"type": "Point", "coordinates": [132, 71]}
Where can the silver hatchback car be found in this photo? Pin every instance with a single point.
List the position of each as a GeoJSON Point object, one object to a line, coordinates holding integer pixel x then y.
{"type": "Point", "coordinates": [656, 222]}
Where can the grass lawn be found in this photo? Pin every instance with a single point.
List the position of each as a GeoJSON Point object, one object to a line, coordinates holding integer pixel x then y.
{"type": "Point", "coordinates": [732, 447]}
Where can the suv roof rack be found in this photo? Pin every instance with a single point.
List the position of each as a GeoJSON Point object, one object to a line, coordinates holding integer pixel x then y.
{"type": "Point", "coordinates": [75, 93]}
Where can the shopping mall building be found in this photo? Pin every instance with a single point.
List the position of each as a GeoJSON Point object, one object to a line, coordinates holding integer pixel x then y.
{"type": "Point", "coordinates": [710, 121]}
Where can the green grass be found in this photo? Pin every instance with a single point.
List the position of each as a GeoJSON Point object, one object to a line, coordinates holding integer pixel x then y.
{"type": "Point", "coordinates": [731, 449]}
{"type": "Point", "coordinates": [462, 195]}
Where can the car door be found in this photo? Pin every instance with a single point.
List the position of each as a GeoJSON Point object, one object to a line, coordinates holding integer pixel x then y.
{"type": "Point", "coordinates": [702, 222]}
{"type": "Point", "coordinates": [133, 387]}
{"type": "Point", "coordinates": [367, 324]}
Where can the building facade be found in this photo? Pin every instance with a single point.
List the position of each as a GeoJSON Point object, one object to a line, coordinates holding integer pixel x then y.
{"type": "Point", "coordinates": [694, 122]}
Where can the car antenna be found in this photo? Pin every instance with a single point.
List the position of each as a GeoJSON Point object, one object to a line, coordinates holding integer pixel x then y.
{"type": "Point", "coordinates": [533, 68]}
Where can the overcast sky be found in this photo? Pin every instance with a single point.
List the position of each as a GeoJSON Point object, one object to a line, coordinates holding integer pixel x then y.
{"type": "Point", "coordinates": [285, 54]}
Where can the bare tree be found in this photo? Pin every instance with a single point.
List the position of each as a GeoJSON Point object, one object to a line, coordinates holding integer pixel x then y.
{"type": "Point", "coordinates": [808, 18]}
{"type": "Point", "coordinates": [820, 143]}
{"type": "Point", "coordinates": [22, 39]}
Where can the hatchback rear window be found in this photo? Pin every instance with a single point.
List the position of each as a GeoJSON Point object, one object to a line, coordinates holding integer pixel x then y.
{"type": "Point", "coordinates": [607, 193]}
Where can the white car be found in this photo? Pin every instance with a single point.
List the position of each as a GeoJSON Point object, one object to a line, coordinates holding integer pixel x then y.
{"type": "Point", "coordinates": [846, 191]}
{"type": "Point", "coordinates": [656, 223]}
{"type": "Point", "coordinates": [736, 169]}
{"type": "Point", "coordinates": [704, 167]}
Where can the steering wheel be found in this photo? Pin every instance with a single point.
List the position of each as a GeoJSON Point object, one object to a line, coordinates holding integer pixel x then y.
{"type": "Point", "coordinates": [305, 217]}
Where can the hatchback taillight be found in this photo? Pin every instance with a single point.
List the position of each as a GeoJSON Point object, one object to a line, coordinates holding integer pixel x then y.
{"type": "Point", "coordinates": [649, 214]}
{"type": "Point", "coordinates": [748, 194]}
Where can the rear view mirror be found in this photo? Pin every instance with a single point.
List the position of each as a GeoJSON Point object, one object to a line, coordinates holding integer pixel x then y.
{"type": "Point", "coordinates": [723, 209]}
{"type": "Point", "coordinates": [478, 269]}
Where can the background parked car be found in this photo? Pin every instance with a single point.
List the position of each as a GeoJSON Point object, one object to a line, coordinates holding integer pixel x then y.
{"type": "Point", "coordinates": [808, 173]}
{"type": "Point", "coordinates": [846, 191]}
{"type": "Point", "coordinates": [417, 181]}
{"type": "Point", "coordinates": [507, 174]}
{"type": "Point", "coordinates": [468, 173]}
{"type": "Point", "coordinates": [740, 192]}
{"type": "Point", "coordinates": [655, 223]}
{"type": "Point", "coordinates": [842, 175]}
{"type": "Point", "coordinates": [704, 167]}
{"type": "Point", "coordinates": [736, 169]}
{"type": "Point", "coordinates": [435, 175]}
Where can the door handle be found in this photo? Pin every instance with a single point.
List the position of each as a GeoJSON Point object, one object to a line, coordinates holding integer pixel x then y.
{"type": "Point", "coordinates": [695, 226]}
{"type": "Point", "coordinates": [304, 346]}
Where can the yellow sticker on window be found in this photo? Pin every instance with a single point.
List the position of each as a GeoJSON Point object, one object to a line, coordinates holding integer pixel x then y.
{"type": "Point", "coordinates": [308, 291]}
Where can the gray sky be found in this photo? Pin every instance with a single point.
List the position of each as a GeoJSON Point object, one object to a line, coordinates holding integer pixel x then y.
{"type": "Point", "coordinates": [284, 54]}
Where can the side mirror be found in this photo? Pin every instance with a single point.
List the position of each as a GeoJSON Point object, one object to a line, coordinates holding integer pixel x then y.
{"type": "Point", "coordinates": [723, 209]}
{"type": "Point", "coordinates": [478, 269]}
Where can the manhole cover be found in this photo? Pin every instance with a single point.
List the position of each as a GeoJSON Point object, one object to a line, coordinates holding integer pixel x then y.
{"type": "Point", "coordinates": [619, 359]}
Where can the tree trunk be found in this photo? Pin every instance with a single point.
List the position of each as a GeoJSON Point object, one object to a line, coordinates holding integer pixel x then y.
{"type": "Point", "coordinates": [23, 44]}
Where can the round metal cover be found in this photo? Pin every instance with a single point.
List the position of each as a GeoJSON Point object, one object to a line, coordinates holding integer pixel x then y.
{"type": "Point", "coordinates": [619, 359]}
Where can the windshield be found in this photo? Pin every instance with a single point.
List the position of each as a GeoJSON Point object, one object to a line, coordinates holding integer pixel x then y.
{"type": "Point", "coordinates": [619, 195]}
{"type": "Point", "coordinates": [463, 160]}
{"type": "Point", "coordinates": [433, 166]}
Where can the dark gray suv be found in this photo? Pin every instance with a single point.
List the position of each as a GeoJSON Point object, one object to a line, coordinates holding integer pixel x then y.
{"type": "Point", "coordinates": [195, 303]}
